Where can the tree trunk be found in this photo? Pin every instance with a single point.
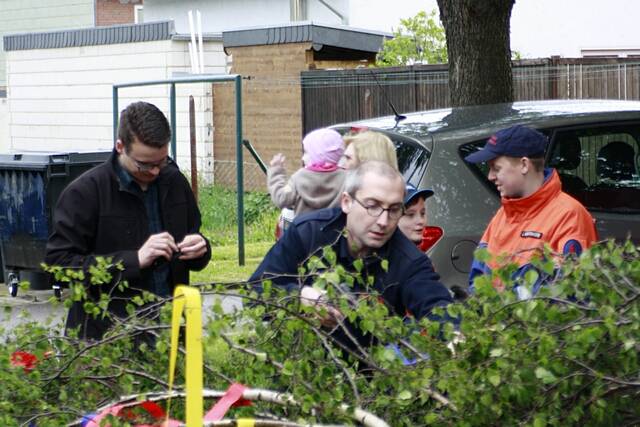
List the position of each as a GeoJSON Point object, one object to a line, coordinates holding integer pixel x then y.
{"type": "Point", "coordinates": [479, 50]}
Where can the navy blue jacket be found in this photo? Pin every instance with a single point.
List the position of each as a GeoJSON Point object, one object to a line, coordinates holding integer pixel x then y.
{"type": "Point", "coordinates": [409, 286]}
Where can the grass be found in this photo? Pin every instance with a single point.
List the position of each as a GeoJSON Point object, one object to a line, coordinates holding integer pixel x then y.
{"type": "Point", "coordinates": [224, 263]}
{"type": "Point", "coordinates": [219, 224]}
{"type": "Point", "coordinates": [218, 207]}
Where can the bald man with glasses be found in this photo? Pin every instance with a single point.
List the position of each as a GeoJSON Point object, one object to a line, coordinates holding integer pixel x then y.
{"type": "Point", "coordinates": [363, 228]}
{"type": "Point", "coordinates": [136, 208]}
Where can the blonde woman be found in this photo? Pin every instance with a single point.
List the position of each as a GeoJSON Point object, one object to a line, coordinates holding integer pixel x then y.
{"type": "Point", "coordinates": [368, 145]}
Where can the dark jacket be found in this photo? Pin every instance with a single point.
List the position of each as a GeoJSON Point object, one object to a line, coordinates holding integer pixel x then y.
{"type": "Point", "coordinates": [409, 286]}
{"type": "Point", "coordinates": [96, 216]}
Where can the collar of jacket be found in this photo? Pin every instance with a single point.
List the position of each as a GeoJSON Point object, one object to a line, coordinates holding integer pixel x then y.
{"type": "Point", "coordinates": [163, 179]}
{"type": "Point", "coordinates": [528, 207]}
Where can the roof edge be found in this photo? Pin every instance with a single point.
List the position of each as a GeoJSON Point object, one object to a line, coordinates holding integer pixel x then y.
{"type": "Point", "coordinates": [115, 34]}
{"type": "Point", "coordinates": [306, 31]}
{"type": "Point", "coordinates": [206, 37]}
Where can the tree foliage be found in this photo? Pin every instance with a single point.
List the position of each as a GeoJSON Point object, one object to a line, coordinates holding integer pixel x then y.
{"type": "Point", "coordinates": [569, 356]}
{"type": "Point", "coordinates": [418, 40]}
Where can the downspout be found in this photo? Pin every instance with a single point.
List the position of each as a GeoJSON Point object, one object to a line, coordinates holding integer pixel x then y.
{"type": "Point", "coordinates": [298, 10]}
{"type": "Point", "coordinates": [344, 20]}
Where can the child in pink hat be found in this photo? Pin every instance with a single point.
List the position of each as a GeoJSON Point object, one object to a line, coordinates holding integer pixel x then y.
{"type": "Point", "coordinates": [319, 183]}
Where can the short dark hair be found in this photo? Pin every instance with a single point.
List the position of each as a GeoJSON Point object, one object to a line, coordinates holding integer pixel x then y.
{"type": "Point", "coordinates": [146, 123]}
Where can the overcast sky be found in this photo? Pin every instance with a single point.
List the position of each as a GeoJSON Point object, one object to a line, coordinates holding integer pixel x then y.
{"type": "Point", "coordinates": [539, 28]}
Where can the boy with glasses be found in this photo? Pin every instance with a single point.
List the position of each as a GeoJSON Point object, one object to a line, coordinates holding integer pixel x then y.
{"type": "Point", "coordinates": [136, 208]}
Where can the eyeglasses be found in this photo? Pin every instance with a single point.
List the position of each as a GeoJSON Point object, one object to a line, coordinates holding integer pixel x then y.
{"type": "Point", "coordinates": [395, 211]}
{"type": "Point", "coordinates": [146, 166]}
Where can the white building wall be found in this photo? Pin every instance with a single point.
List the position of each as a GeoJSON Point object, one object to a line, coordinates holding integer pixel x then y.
{"type": "Point", "coordinates": [221, 15]}
{"type": "Point", "coordinates": [4, 125]}
{"type": "Point", "coordinates": [218, 15]}
{"type": "Point", "coordinates": [22, 16]}
{"type": "Point", "coordinates": [61, 99]}
{"type": "Point", "coordinates": [318, 12]}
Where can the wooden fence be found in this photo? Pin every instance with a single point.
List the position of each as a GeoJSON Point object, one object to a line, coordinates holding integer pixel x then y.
{"type": "Point", "coordinates": [336, 96]}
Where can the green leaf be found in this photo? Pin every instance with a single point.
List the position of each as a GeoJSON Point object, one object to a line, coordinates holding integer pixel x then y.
{"type": "Point", "coordinates": [546, 376]}
{"type": "Point", "coordinates": [496, 352]}
{"type": "Point", "coordinates": [405, 395]}
{"type": "Point", "coordinates": [367, 325]}
{"type": "Point", "coordinates": [539, 421]}
{"type": "Point", "coordinates": [430, 418]}
{"type": "Point", "coordinates": [358, 264]}
{"type": "Point", "coordinates": [332, 277]}
{"type": "Point", "coordinates": [288, 368]}
{"type": "Point", "coordinates": [105, 362]}
{"type": "Point", "coordinates": [494, 379]}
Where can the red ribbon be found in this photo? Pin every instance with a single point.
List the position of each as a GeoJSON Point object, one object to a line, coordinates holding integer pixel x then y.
{"type": "Point", "coordinates": [231, 398]}
{"type": "Point", "coordinates": [124, 411]}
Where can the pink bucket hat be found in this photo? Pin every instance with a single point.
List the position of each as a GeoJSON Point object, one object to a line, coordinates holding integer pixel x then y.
{"type": "Point", "coordinates": [323, 149]}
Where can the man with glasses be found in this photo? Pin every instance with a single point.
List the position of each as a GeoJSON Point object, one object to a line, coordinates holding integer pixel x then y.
{"type": "Point", "coordinates": [138, 209]}
{"type": "Point", "coordinates": [363, 228]}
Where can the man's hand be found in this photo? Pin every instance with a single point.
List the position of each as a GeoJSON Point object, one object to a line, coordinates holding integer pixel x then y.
{"type": "Point", "coordinates": [310, 296]}
{"type": "Point", "coordinates": [157, 246]}
{"type": "Point", "coordinates": [192, 247]}
{"type": "Point", "coordinates": [277, 160]}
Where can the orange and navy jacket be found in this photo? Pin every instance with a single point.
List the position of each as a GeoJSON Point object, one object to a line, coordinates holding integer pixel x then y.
{"type": "Point", "coordinates": [521, 227]}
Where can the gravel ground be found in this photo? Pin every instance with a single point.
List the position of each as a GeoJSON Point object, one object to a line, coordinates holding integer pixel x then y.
{"type": "Point", "coordinates": [39, 308]}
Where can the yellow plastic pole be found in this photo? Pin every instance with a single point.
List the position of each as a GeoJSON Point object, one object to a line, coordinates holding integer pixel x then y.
{"type": "Point", "coordinates": [187, 299]}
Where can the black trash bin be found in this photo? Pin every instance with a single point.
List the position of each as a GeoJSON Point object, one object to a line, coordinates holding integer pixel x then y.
{"type": "Point", "coordinates": [30, 184]}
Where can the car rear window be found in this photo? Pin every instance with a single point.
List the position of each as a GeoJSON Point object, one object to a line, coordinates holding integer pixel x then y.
{"type": "Point", "coordinates": [412, 160]}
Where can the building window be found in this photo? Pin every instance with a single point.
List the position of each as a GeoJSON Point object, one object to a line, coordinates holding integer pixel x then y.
{"type": "Point", "coordinates": [138, 14]}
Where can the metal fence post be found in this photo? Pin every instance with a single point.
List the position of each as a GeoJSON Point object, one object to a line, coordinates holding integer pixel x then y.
{"type": "Point", "coordinates": [239, 170]}
{"type": "Point", "coordinates": [115, 113]}
{"type": "Point", "coordinates": [172, 112]}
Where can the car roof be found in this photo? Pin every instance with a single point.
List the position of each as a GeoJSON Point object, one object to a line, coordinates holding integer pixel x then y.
{"type": "Point", "coordinates": [470, 122]}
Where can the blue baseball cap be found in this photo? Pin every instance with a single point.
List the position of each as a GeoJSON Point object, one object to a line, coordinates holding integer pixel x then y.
{"type": "Point", "coordinates": [411, 193]}
{"type": "Point", "coordinates": [516, 141]}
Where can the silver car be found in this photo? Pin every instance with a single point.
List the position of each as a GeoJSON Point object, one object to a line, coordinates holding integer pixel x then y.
{"type": "Point", "coordinates": [594, 145]}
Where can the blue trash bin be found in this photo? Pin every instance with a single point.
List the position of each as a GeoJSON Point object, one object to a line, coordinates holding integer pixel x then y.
{"type": "Point", "coordinates": [30, 184]}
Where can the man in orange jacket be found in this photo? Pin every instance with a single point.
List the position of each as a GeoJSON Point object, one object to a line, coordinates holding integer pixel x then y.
{"type": "Point", "coordinates": [535, 211]}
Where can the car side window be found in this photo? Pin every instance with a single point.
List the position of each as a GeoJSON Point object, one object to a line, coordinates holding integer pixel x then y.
{"type": "Point", "coordinates": [481, 169]}
{"type": "Point", "coordinates": [599, 166]}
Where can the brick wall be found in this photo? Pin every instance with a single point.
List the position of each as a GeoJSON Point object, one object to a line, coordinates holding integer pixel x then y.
{"type": "Point", "coordinates": [272, 109]}
{"type": "Point", "coordinates": [113, 12]}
